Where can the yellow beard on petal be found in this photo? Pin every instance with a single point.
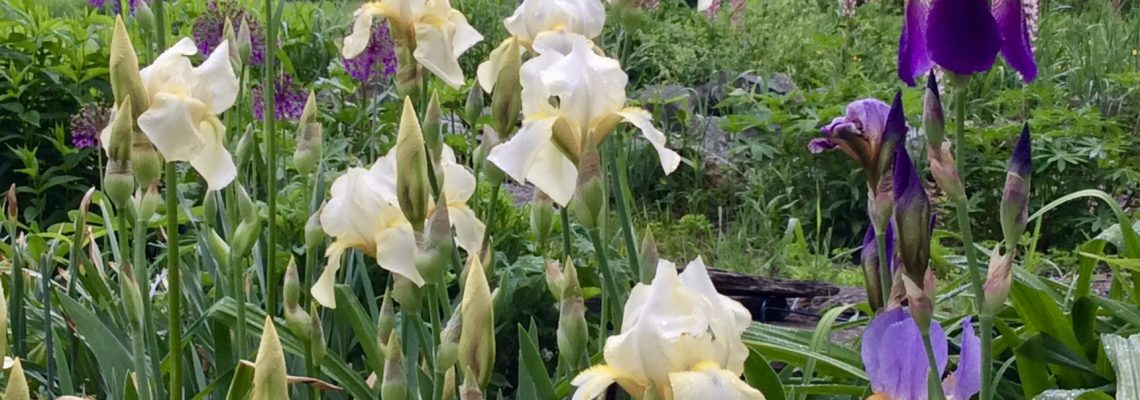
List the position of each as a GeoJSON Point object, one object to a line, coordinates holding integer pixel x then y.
{"type": "Point", "coordinates": [878, 396]}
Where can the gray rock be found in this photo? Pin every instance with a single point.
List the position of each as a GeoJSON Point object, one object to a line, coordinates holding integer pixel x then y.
{"type": "Point", "coordinates": [781, 83]}
{"type": "Point", "coordinates": [715, 141]}
{"type": "Point", "coordinates": [669, 104]}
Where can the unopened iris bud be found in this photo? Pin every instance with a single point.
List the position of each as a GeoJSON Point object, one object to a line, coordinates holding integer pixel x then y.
{"type": "Point", "coordinates": [229, 34]}
{"type": "Point", "coordinates": [942, 164]}
{"type": "Point", "coordinates": [912, 216]}
{"type": "Point", "coordinates": [555, 279]}
{"type": "Point", "coordinates": [309, 138]}
{"type": "Point", "coordinates": [243, 43]}
{"type": "Point", "coordinates": [298, 321]}
{"type": "Point", "coordinates": [477, 340]}
{"type": "Point", "coordinates": [572, 332]}
{"type": "Point", "coordinates": [144, 16]}
{"type": "Point", "coordinates": [248, 230]}
{"type": "Point", "coordinates": [148, 203]}
{"type": "Point", "coordinates": [17, 388]}
{"type": "Point", "coordinates": [920, 304]}
{"type": "Point", "coordinates": [407, 294]}
{"type": "Point", "coordinates": [436, 247]}
{"type": "Point", "coordinates": [386, 322]}
{"type": "Point", "coordinates": [319, 347]}
{"type": "Point", "coordinates": [132, 296]}
{"type": "Point", "coordinates": [314, 233]}
{"type": "Point", "coordinates": [589, 202]}
{"type": "Point", "coordinates": [146, 163]}
{"type": "Point", "coordinates": [12, 206]}
{"type": "Point", "coordinates": [124, 70]}
{"type": "Point", "coordinates": [933, 120]}
{"type": "Point", "coordinates": [448, 352]}
{"type": "Point", "coordinates": [118, 182]}
{"type": "Point", "coordinates": [1015, 196]}
{"type": "Point", "coordinates": [210, 206]}
{"type": "Point", "coordinates": [648, 257]}
{"type": "Point", "coordinates": [998, 280]}
{"type": "Point", "coordinates": [506, 98]}
{"type": "Point", "coordinates": [433, 129]}
{"type": "Point", "coordinates": [395, 383]}
{"type": "Point", "coordinates": [870, 260]}
{"type": "Point", "coordinates": [491, 173]}
{"type": "Point", "coordinates": [270, 380]}
{"type": "Point", "coordinates": [245, 147]}
{"type": "Point", "coordinates": [541, 217]}
{"type": "Point", "coordinates": [411, 168]}
{"type": "Point", "coordinates": [470, 388]}
{"type": "Point", "coordinates": [122, 132]}
{"type": "Point", "coordinates": [473, 107]}
{"type": "Point", "coordinates": [219, 248]}
{"type": "Point", "coordinates": [449, 385]}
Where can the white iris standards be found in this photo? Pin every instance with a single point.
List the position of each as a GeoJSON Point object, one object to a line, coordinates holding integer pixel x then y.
{"type": "Point", "coordinates": [438, 33]}
{"type": "Point", "coordinates": [182, 119]}
{"type": "Point", "coordinates": [572, 98]}
{"type": "Point", "coordinates": [533, 17]}
{"type": "Point", "coordinates": [679, 337]}
{"type": "Point", "coordinates": [364, 214]}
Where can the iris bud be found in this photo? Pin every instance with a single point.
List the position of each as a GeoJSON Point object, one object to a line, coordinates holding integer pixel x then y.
{"type": "Point", "coordinates": [572, 331]}
{"type": "Point", "coordinates": [473, 107]}
{"type": "Point", "coordinates": [589, 202]}
{"type": "Point", "coordinates": [506, 98]}
{"type": "Point", "coordinates": [998, 279]}
{"type": "Point", "coordinates": [386, 322]}
{"type": "Point", "coordinates": [411, 168]}
{"type": "Point", "coordinates": [541, 217]}
{"type": "Point", "coordinates": [298, 321]}
{"type": "Point", "coordinates": [395, 383]}
{"type": "Point", "coordinates": [477, 340]}
{"type": "Point", "coordinates": [648, 257]}
{"type": "Point", "coordinates": [269, 374]}
{"type": "Point", "coordinates": [1015, 196]}
{"type": "Point", "coordinates": [309, 136]}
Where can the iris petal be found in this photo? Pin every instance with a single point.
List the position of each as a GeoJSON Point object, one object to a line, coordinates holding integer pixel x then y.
{"type": "Point", "coordinates": [962, 35]}
{"type": "Point", "coordinates": [914, 59]}
{"type": "Point", "coordinates": [1015, 47]}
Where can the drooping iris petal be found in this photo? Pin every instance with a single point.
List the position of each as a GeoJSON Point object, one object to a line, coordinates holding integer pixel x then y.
{"type": "Point", "coordinates": [962, 35]}
{"type": "Point", "coordinates": [396, 249]}
{"type": "Point", "coordinates": [592, 383]}
{"type": "Point", "coordinates": [711, 384]}
{"type": "Point", "coordinates": [914, 59]}
{"type": "Point", "coordinates": [355, 42]}
{"type": "Point", "coordinates": [895, 358]}
{"type": "Point", "coordinates": [213, 162]}
{"type": "Point", "coordinates": [966, 381]}
{"type": "Point", "coordinates": [642, 120]}
{"type": "Point", "coordinates": [1015, 46]}
{"type": "Point", "coordinates": [171, 126]}
{"type": "Point", "coordinates": [217, 83]}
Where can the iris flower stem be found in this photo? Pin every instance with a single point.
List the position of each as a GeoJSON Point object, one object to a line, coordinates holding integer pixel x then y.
{"type": "Point", "coordinates": [610, 293]}
{"type": "Point", "coordinates": [174, 277]}
{"type": "Point", "coordinates": [934, 384]}
{"type": "Point", "coordinates": [564, 213]}
{"type": "Point", "coordinates": [16, 298]}
{"type": "Point", "coordinates": [310, 274]}
{"type": "Point", "coordinates": [884, 267]}
{"type": "Point", "coordinates": [138, 266]}
{"type": "Point", "coordinates": [269, 113]}
{"type": "Point", "coordinates": [962, 206]}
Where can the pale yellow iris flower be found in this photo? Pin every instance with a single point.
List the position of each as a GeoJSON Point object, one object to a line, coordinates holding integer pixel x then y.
{"type": "Point", "coordinates": [364, 213]}
{"type": "Point", "coordinates": [532, 17]}
{"type": "Point", "coordinates": [438, 33]}
{"type": "Point", "coordinates": [679, 334]}
{"type": "Point", "coordinates": [572, 98]}
{"type": "Point", "coordinates": [185, 101]}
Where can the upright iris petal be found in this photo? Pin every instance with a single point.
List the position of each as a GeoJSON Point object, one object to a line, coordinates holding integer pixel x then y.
{"type": "Point", "coordinates": [966, 381]}
{"type": "Point", "coordinates": [963, 37]}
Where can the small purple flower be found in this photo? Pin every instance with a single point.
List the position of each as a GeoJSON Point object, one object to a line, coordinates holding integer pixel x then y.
{"type": "Point", "coordinates": [210, 26]}
{"type": "Point", "coordinates": [87, 124]}
{"type": "Point", "coordinates": [115, 6]}
{"type": "Point", "coordinates": [288, 97]}
{"type": "Point", "coordinates": [964, 37]}
{"type": "Point", "coordinates": [895, 358]}
{"type": "Point", "coordinates": [379, 56]}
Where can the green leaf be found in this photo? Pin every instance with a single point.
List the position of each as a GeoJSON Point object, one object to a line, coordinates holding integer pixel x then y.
{"type": "Point", "coordinates": [1087, 266]}
{"type": "Point", "coordinates": [760, 375]}
{"type": "Point", "coordinates": [1041, 313]}
{"type": "Point", "coordinates": [821, 336]}
{"type": "Point", "coordinates": [532, 362]}
{"type": "Point", "coordinates": [242, 384]}
{"type": "Point", "coordinates": [109, 351]}
{"type": "Point", "coordinates": [352, 311]}
{"type": "Point", "coordinates": [1126, 312]}
{"type": "Point", "coordinates": [1125, 357]}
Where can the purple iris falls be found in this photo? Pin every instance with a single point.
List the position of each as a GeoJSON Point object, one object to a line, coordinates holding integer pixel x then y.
{"type": "Point", "coordinates": [964, 37]}
{"type": "Point", "coordinates": [895, 358]}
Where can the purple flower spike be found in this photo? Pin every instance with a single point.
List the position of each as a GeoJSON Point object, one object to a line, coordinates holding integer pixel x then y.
{"type": "Point", "coordinates": [378, 59]}
{"type": "Point", "coordinates": [86, 125]}
{"type": "Point", "coordinates": [895, 358]}
{"type": "Point", "coordinates": [1015, 46]}
{"type": "Point", "coordinates": [964, 37]}
{"type": "Point", "coordinates": [966, 381]}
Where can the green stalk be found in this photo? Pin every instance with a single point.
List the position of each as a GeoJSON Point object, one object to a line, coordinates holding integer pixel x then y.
{"type": "Point", "coordinates": [623, 205]}
{"type": "Point", "coordinates": [884, 267]}
{"type": "Point", "coordinates": [16, 299]}
{"type": "Point", "coordinates": [310, 264]}
{"type": "Point", "coordinates": [564, 213]}
{"type": "Point", "coordinates": [934, 385]}
{"type": "Point", "coordinates": [174, 296]}
{"type": "Point", "coordinates": [138, 264]}
{"type": "Point", "coordinates": [962, 206]}
{"type": "Point", "coordinates": [610, 293]}
{"type": "Point", "coordinates": [268, 112]}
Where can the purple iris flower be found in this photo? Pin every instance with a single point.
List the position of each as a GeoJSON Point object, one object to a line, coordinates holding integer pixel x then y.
{"type": "Point", "coordinates": [867, 133]}
{"type": "Point", "coordinates": [912, 215]}
{"type": "Point", "coordinates": [895, 358]}
{"type": "Point", "coordinates": [964, 37]}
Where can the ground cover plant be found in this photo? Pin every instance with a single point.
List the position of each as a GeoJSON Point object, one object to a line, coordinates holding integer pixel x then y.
{"type": "Point", "coordinates": [584, 199]}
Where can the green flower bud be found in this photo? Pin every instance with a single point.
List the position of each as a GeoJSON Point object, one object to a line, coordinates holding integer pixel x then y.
{"type": "Point", "coordinates": [243, 43]}
{"type": "Point", "coordinates": [572, 331]}
{"type": "Point", "coordinates": [433, 130]}
{"type": "Point", "coordinates": [309, 138]}
{"type": "Point", "coordinates": [245, 147]}
{"type": "Point", "coordinates": [541, 217]}
{"type": "Point", "coordinates": [314, 233]}
{"type": "Point", "coordinates": [448, 352]}
{"type": "Point", "coordinates": [920, 304]}
{"type": "Point", "coordinates": [132, 296]}
{"type": "Point", "coordinates": [395, 383]}
{"type": "Point", "coordinates": [270, 381]}
{"type": "Point", "coordinates": [477, 340]}
{"type": "Point", "coordinates": [473, 107]}
{"type": "Point", "coordinates": [491, 173]}
{"type": "Point", "coordinates": [411, 168]}
{"type": "Point", "coordinates": [17, 384]}
{"type": "Point", "coordinates": [648, 257]}
{"type": "Point", "coordinates": [118, 182]}
{"type": "Point", "coordinates": [933, 121]}
{"type": "Point", "coordinates": [219, 248]}
{"type": "Point", "coordinates": [449, 384]}
{"type": "Point", "coordinates": [555, 279]}
{"type": "Point", "coordinates": [386, 322]}
{"type": "Point", "coordinates": [589, 202]}
{"type": "Point", "coordinates": [407, 294]}
{"type": "Point", "coordinates": [230, 35]}
{"type": "Point", "coordinates": [122, 132]}
{"type": "Point", "coordinates": [12, 207]}
{"type": "Point", "coordinates": [319, 347]}
{"type": "Point", "coordinates": [1014, 210]}
{"type": "Point", "coordinates": [146, 163]}
{"type": "Point", "coordinates": [506, 99]}
{"type": "Point", "coordinates": [126, 83]}
{"type": "Point", "coordinates": [436, 244]}
{"type": "Point", "coordinates": [291, 291]}
{"type": "Point", "coordinates": [144, 16]}
{"type": "Point", "coordinates": [147, 204]}
{"type": "Point", "coordinates": [248, 231]}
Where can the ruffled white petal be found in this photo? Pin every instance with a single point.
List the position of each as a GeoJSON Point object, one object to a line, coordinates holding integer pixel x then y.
{"type": "Point", "coordinates": [434, 52]}
{"type": "Point", "coordinates": [171, 124]}
{"type": "Point", "coordinates": [214, 162]}
{"type": "Point", "coordinates": [516, 156]}
{"type": "Point", "coordinates": [465, 36]}
{"type": "Point", "coordinates": [703, 5]}
{"type": "Point", "coordinates": [716, 384]}
{"type": "Point", "coordinates": [488, 71]}
{"type": "Point", "coordinates": [216, 85]}
{"type": "Point", "coordinates": [643, 121]}
{"type": "Point", "coordinates": [458, 183]}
